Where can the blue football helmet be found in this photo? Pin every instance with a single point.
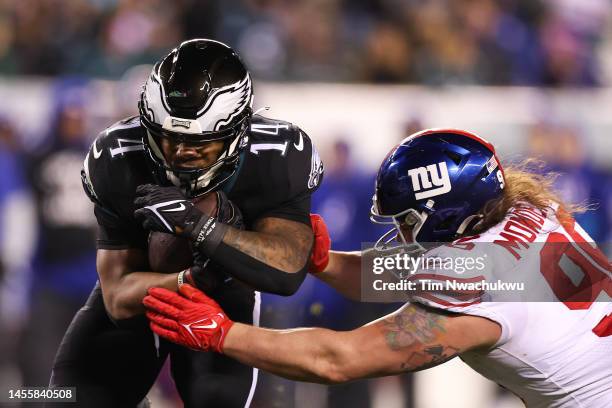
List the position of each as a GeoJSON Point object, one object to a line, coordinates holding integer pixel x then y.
{"type": "Point", "coordinates": [437, 181]}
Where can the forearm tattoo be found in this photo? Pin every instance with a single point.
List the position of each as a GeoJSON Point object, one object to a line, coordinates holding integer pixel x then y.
{"type": "Point", "coordinates": [429, 357]}
{"type": "Point", "coordinates": [412, 324]}
{"type": "Point", "coordinates": [282, 244]}
{"type": "Point", "coordinates": [417, 328]}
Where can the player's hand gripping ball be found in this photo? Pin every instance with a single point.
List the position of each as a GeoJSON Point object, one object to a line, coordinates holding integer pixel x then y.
{"type": "Point", "coordinates": [190, 319]}
{"type": "Point", "coordinates": [166, 209]}
{"type": "Point", "coordinates": [168, 252]}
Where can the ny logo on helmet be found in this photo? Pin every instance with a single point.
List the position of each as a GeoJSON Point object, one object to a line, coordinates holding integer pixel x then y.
{"type": "Point", "coordinates": [433, 179]}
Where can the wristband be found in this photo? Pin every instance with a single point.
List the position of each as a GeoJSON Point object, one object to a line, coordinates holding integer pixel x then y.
{"type": "Point", "coordinates": [180, 279]}
{"type": "Point", "coordinates": [208, 234]}
{"type": "Point", "coordinates": [185, 277]}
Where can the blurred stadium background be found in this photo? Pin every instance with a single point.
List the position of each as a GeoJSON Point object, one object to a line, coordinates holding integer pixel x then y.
{"type": "Point", "coordinates": [532, 76]}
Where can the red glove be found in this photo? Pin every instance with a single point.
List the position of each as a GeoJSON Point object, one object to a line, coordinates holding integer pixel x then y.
{"type": "Point", "coordinates": [322, 243]}
{"type": "Point", "coordinates": [192, 320]}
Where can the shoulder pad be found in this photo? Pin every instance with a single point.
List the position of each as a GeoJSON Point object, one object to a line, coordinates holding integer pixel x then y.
{"type": "Point", "coordinates": [288, 152]}
{"type": "Point", "coordinates": [122, 137]}
{"type": "Point", "coordinates": [114, 163]}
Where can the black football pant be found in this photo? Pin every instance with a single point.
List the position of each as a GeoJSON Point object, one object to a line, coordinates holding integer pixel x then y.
{"type": "Point", "coordinates": [116, 367]}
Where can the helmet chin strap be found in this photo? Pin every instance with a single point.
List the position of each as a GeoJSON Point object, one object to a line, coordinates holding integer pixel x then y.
{"type": "Point", "coordinates": [193, 185]}
{"type": "Point", "coordinates": [205, 179]}
{"type": "Point", "coordinates": [155, 148]}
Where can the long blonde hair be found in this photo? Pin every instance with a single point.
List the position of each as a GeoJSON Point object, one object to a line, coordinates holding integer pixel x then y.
{"type": "Point", "coordinates": [524, 184]}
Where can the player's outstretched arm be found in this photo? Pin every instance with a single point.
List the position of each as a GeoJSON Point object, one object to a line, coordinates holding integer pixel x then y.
{"type": "Point", "coordinates": [410, 339]}
{"type": "Point", "coordinates": [340, 270]}
{"type": "Point", "coordinates": [343, 273]}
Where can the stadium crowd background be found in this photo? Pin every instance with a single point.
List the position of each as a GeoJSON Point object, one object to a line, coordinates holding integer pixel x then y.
{"type": "Point", "coordinates": [504, 42]}
{"type": "Point", "coordinates": [66, 72]}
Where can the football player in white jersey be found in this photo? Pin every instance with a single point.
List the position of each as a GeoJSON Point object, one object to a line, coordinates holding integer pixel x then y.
{"type": "Point", "coordinates": [441, 186]}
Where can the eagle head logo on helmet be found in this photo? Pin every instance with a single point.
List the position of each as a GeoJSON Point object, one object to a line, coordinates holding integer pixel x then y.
{"type": "Point", "coordinates": [200, 92]}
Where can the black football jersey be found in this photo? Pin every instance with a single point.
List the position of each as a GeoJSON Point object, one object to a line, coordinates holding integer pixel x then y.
{"type": "Point", "coordinates": [278, 171]}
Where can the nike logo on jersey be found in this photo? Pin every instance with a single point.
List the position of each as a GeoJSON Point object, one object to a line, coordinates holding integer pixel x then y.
{"type": "Point", "coordinates": [96, 153]}
{"type": "Point", "coordinates": [300, 145]}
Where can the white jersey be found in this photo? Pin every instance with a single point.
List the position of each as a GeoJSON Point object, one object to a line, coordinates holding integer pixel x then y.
{"type": "Point", "coordinates": [550, 353]}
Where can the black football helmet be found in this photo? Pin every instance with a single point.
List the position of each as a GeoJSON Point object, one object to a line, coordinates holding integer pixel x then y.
{"type": "Point", "coordinates": [200, 92]}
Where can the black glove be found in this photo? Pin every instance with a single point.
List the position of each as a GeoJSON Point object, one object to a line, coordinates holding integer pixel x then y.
{"type": "Point", "coordinates": [166, 209]}
{"type": "Point", "coordinates": [228, 212]}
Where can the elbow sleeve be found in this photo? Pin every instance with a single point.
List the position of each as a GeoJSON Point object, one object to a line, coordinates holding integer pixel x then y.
{"type": "Point", "coordinates": [257, 274]}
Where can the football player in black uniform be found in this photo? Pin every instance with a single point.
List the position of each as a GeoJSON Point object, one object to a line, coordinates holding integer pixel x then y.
{"type": "Point", "coordinates": [196, 133]}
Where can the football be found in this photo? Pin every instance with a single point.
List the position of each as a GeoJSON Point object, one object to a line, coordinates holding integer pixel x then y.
{"type": "Point", "coordinates": [169, 253]}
